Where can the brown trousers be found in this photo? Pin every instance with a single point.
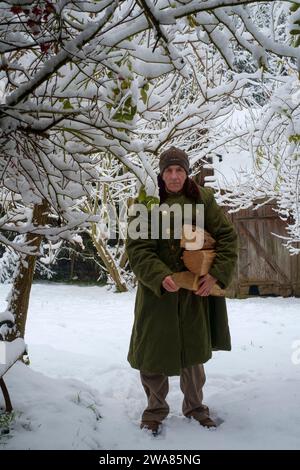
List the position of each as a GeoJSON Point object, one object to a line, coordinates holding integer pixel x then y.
{"type": "Point", "coordinates": [156, 387]}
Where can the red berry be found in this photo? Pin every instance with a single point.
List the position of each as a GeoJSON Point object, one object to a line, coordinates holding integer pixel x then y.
{"type": "Point", "coordinates": [36, 11]}
{"type": "Point", "coordinates": [45, 47]}
{"type": "Point", "coordinates": [16, 9]}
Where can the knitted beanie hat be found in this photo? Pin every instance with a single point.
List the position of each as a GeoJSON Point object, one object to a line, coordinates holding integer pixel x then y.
{"type": "Point", "coordinates": [173, 156]}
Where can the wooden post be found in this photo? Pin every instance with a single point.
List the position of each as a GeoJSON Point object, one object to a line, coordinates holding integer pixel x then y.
{"type": "Point", "coordinates": [20, 293]}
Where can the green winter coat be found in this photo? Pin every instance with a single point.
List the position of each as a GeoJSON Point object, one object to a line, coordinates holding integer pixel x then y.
{"type": "Point", "coordinates": [173, 330]}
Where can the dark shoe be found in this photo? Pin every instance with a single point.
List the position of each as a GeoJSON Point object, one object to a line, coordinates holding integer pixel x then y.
{"type": "Point", "coordinates": [153, 426]}
{"type": "Point", "coordinates": [206, 421]}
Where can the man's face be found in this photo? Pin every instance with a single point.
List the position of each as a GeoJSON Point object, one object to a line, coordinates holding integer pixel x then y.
{"type": "Point", "coordinates": [174, 177]}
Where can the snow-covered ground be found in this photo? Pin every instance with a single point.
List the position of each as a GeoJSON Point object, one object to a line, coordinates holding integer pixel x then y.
{"type": "Point", "coordinates": [80, 392]}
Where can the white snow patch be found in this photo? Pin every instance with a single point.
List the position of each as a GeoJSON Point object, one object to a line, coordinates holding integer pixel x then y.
{"type": "Point", "coordinates": [78, 341]}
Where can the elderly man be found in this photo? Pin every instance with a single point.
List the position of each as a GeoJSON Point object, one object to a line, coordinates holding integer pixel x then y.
{"type": "Point", "coordinates": [175, 330]}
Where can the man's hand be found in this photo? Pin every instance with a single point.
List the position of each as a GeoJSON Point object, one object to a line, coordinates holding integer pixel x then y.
{"type": "Point", "coordinates": [205, 285]}
{"type": "Point", "coordinates": [169, 284]}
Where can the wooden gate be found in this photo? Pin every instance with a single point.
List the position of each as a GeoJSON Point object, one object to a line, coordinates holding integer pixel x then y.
{"type": "Point", "coordinates": [264, 265]}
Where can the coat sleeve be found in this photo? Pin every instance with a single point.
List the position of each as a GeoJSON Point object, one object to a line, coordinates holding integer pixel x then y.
{"type": "Point", "coordinates": [145, 263]}
{"type": "Point", "coordinates": [219, 226]}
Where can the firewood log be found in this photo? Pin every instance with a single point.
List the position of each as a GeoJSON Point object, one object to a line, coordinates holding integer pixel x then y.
{"type": "Point", "coordinates": [198, 261]}
{"type": "Point", "coordinates": [190, 281]}
{"type": "Point", "coordinates": [198, 257]}
{"type": "Point", "coordinates": [196, 238]}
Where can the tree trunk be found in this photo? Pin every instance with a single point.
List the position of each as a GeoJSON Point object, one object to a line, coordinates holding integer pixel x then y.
{"type": "Point", "coordinates": [22, 282]}
{"type": "Point", "coordinates": [108, 261]}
